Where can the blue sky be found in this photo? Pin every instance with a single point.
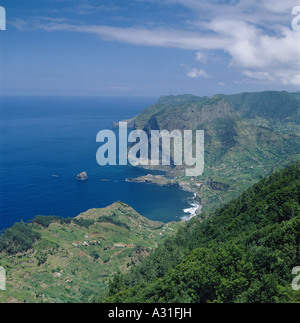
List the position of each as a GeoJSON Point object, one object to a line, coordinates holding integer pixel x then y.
{"type": "Point", "coordinates": [148, 47]}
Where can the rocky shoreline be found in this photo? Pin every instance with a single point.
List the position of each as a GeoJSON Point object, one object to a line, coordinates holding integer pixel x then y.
{"type": "Point", "coordinates": [154, 179]}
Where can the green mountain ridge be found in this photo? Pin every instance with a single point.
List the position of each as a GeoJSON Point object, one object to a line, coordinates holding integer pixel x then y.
{"type": "Point", "coordinates": [242, 248]}
{"type": "Point", "coordinates": [243, 253]}
{"type": "Point", "coordinates": [247, 137]}
{"type": "Point", "coordinates": [269, 104]}
{"type": "Point", "coordinates": [281, 106]}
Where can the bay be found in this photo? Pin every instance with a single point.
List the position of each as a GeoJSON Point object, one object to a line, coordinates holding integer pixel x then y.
{"type": "Point", "coordinates": [46, 141]}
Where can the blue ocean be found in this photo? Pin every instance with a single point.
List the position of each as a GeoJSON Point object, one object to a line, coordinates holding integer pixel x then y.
{"type": "Point", "coordinates": [46, 141]}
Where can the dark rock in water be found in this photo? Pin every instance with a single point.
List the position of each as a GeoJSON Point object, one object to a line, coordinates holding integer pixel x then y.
{"type": "Point", "coordinates": [82, 176]}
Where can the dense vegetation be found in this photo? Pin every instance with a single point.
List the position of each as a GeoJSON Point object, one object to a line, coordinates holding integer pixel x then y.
{"type": "Point", "coordinates": [274, 105]}
{"type": "Point", "coordinates": [46, 220]}
{"type": "Point", "coordinates": [114, 220]}
{"type": "Point", "coordinates": [244, 252]}
{"type": "Point", "coordinates": [19, 238]}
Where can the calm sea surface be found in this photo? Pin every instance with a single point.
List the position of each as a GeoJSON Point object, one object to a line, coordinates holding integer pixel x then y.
{"type": "Point", "coordinates": [42, 136]}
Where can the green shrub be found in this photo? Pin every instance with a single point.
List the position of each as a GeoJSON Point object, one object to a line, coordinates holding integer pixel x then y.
{"type": "Point", "coordinates": [19, 238]}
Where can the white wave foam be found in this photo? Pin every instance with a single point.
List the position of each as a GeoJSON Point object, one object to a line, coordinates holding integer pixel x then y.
{"type": "Point", "coordinates": [193, 211]}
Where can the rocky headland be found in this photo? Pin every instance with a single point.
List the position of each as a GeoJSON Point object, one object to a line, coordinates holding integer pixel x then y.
{"type": "Point", "coordinates": [154, 179]}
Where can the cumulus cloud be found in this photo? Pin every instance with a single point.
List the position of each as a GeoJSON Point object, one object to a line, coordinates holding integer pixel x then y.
{"type": "Point", "coordinates": [264, 56]}
{"type": "Point", "coordinates": [257, 35]}
{"type": "Point", "coordinates": [201, 57]}
{"type": "Point", "coordinates": [195, 73]}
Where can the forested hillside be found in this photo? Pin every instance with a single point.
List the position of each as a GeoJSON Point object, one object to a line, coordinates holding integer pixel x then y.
{"type": "Point", "coordinates": [244, 252]}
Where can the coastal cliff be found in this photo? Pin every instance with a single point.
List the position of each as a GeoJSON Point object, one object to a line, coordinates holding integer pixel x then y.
{"type": "Point", "coordinates": [247, 137]}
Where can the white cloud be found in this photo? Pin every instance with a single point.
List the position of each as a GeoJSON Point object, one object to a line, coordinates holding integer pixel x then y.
{"type": "Point", "coordinates": [194, 72]}
{"type": "Point", "coordinates": [278, 6]}
{"type": "Point", "coordinates": [256, 34]}
{"type": "Point", "coordinates": [259, 75]}
{"type": "Point", "coordinates": [156, 37]}
{"type": "Point", "coordinates": [201, 57]}
{"type": "Point", "coordinates": [275, 58]}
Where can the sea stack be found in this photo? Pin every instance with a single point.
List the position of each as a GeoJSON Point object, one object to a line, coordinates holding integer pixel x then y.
{"type": "Point", "coordinates": [82, 176]}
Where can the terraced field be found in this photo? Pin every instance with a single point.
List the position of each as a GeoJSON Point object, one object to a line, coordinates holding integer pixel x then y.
{"type": "Point", "coordinates": [74, 261]}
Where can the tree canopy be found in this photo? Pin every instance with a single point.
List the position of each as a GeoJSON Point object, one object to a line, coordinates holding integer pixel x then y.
{"type": "Point", "coordinates": [244, 252]}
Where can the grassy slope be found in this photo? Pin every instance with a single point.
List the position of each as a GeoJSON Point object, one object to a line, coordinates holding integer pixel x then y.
{"type": "Point", "coordinates": [72, 263]}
